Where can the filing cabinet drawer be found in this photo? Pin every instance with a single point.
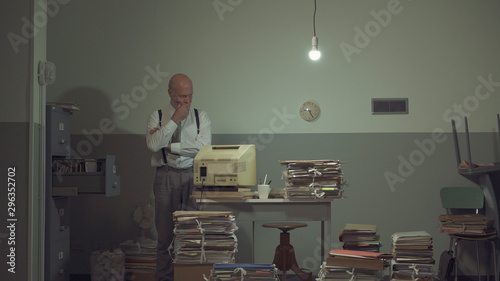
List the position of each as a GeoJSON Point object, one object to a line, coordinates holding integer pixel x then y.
{"type": "Point", "coordinates": [59, 260]}
{"type": "Point", "coordinates": [58, 130]}
{"type": "Point", "coordinates": [73, 177]}
{"type": "Point", "coordinates": [59, 220]}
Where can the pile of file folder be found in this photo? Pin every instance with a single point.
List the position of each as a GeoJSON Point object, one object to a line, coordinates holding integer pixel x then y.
{"type": "Point", "coordinates": [339, 273]}
{"type": "Point", "coordinates": [139, 257]}
{"type": "Point", "coordinates": [469, 224]}
{"type": "Point", "coordinates": [360, 237]}
{"type": "Point", "coordinates": [413, 256]}
{"type": "Point", "coordinates": [243, 272]}
{"type": "Point", "coordinates": [204, 237]}
{"type": "Point", "coordinates": [358, 259]}
{"type": "Point", "coordinates": [344, 264]}
{"type": "Point", "coordinates": [313, 179]}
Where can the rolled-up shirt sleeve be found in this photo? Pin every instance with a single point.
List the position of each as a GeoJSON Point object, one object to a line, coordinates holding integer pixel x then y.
{"type": "Point", "coordinates": [159, 139]}
{"type": "Point", "coordinates": [190, 147]}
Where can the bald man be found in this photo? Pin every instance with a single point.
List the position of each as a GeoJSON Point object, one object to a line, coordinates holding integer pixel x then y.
{"type": "Point", "coordinates": [175, 134]}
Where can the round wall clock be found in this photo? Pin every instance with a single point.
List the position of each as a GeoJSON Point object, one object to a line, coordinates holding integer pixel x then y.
{"type": "Point", "coordinates": [309, 110]}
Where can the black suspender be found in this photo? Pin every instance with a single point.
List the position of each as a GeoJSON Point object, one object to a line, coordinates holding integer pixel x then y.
{"type": "Point", "coordinates": [197, 127]}
{"type": "Point", "coordinates": [197, 120]}
{"type": "Point", "coordinates": [163, 149]}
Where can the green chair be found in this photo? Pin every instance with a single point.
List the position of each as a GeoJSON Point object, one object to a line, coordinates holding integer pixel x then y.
{"type": "Point", "coordinates": [467, 200]}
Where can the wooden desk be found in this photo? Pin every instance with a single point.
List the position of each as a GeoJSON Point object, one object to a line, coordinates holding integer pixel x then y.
{"type": "Point", "coordinates": [247, 212]}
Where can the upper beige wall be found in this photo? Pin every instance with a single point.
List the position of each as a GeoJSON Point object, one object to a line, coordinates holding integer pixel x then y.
{"type": "Point", "coordinates": [249, 63]}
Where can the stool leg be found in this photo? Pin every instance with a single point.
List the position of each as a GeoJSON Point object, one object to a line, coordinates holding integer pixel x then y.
{"type": "Point", "coordinates": [284, 258]}
{"type": "Point", "coordinates": [302, 275]}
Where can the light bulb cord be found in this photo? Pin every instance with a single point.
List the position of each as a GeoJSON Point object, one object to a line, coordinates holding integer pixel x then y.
{"type": "Point", "coordinates": [314, 19]}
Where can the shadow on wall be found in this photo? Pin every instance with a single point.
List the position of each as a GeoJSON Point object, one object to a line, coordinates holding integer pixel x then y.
{"type": "Point", "coordinates": [95, 117]}
{"type": "Point", "coordinates": [99, 222]}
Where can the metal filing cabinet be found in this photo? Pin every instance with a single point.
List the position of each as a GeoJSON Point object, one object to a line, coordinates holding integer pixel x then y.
{"type": "Point", "coordinates": [66, 178]}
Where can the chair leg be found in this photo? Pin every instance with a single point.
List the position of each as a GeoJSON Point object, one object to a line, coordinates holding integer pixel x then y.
{"type": "Point", "coordinates": [494, 259]}
{"type": "Point", "coordinates": [478, 263]}
{"type": "Point", "coordinates": [455, 253]}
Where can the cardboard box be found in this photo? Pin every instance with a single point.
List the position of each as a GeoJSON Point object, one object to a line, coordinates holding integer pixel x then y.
{"type": "Point", "coordinates": [192, 272]}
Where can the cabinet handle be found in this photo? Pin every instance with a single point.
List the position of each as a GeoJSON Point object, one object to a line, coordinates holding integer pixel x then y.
{"type": "Point", "coordinates": [115, 184]}
{"type": "Point", "coordinates": [62, 141]}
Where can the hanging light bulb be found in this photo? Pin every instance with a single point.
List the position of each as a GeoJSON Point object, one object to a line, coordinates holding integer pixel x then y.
{"type": "Point", "coordinates": [314, 54]}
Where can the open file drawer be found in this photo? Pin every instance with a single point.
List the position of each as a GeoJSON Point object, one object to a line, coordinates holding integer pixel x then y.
{"type": "Point", "coordinates": [71, 177]}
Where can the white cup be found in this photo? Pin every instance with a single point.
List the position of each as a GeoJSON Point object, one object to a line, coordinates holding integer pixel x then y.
{"type": "Point", "coordinates": [264, 190]}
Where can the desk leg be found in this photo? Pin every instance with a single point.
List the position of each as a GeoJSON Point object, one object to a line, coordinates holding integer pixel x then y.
{"type": "Point", "coordinates": [253, 242]}
{"type": "Point", "coordinates": [322, 241]}
{"type": "Point", "coordinates": [328, 243]}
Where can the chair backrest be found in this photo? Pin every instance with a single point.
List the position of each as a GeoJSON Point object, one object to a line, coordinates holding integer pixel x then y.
{"type": "Point", "coordinates": [462, 197]}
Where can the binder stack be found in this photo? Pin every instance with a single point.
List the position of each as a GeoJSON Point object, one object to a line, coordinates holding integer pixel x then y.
{"type": "Point", "coordinates": [244, 272]}
{"type": "Point", "coordinates": [360, 237]}
{"type": "Point", "coordinates": [313, 179]}
{"type": "Point", "coordinates": [204, 237]}
{"type": "Point", "coordinates": [413, 256]}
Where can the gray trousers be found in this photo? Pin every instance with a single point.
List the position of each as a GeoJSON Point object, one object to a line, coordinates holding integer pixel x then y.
{"type": "Point", "coordinates": [172, 188]}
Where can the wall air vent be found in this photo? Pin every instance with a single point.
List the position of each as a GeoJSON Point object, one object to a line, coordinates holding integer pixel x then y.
{"type": "Point", "coordinates": [389, 106]}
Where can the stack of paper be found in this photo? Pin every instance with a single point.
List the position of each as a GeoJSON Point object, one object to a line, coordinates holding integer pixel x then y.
{"type": "Point", "coordinates": [204, 237]}
{"type": "Point", "coordinates": [362, 237]}
{"type": "Point", "coordinates": [473, 224]}
{"type": "Point", "coordinates": [313, 179]}
{"type": "Point", "coordinates": [413, 255]}
{"type": "Point", "coordinates": [339, 273]}
{"type": "Point", "coordinates": [358, 259]}
{"type": "Point", "coordinates": [139, 257]}
{"type": "Point", "coordinates": [244, 272]}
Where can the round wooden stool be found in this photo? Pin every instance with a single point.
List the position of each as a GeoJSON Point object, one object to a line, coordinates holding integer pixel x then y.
{"type": "Point", "coordinates": [284, 255]}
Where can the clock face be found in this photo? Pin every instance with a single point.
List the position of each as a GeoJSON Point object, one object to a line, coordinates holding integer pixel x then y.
{"type": "Point", "coordinates": [309, 110]}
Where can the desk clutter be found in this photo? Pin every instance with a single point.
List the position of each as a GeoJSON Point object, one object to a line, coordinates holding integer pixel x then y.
{"type": "Point", "coordinates": [204, 237]}
{"type": "Point", "coordinates": [304, 179]}
{"type": "Point", "coordinates": [313, 179]}
{"type": "Point", "coordinates": [410, 258]}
